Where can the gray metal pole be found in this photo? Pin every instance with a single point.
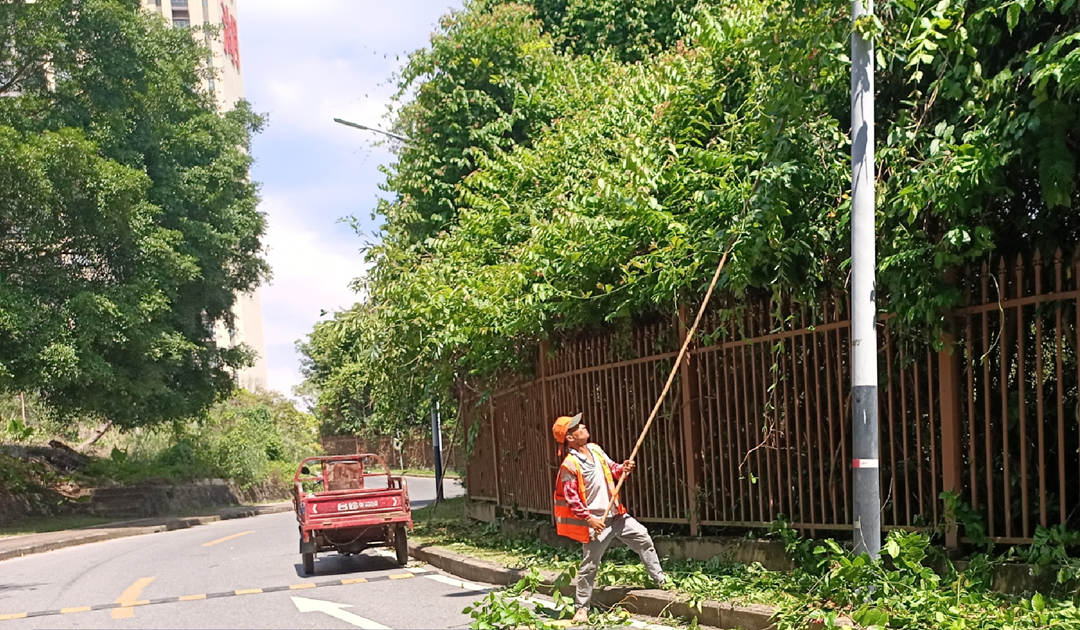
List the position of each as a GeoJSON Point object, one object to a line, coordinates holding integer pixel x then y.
{"type": "Point", "coordinates": [436, 444]}
{"type": "Point", "coordinates": [866, 483]}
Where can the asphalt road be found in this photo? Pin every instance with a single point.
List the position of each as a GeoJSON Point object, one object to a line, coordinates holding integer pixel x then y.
{"type": "Point", "coordinates": [242, 573]}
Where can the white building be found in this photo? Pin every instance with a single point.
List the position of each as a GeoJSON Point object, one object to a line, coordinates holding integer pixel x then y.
{"type": "Point", "coordinates": [227, 87]}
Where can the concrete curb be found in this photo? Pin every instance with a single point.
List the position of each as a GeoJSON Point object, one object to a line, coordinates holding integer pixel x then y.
{"type": "Point", "coordinates": [650, 602]}
{"type": "Point", "coordinates": [18, 546]}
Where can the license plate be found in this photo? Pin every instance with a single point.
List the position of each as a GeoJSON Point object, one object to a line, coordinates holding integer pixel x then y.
{"type": "Point", "coordinates": [351, 506]}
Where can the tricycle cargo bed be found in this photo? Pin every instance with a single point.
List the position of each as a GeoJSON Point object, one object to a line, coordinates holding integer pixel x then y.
{"type": "Point", "coordinates": [348, 514]}
{"type": "Point", "coordinates": [334, 505]}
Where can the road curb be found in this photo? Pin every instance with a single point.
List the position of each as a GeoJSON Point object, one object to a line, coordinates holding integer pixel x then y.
{"type": "Point", "coordinates": [463, 566]}
{"type": "Point", "coordinates": [51, 541]}
{"type": "Point", "coordinates": [650, 602]}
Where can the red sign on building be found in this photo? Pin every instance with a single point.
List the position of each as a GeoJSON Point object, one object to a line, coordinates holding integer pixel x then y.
{"type": "Point", "coordinates": [229, 36]}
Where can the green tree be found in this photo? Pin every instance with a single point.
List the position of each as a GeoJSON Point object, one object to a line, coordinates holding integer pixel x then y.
{"type": "Point", "coordinates": [127, 219]}
{"type": "Point", "coordinates": [616, 208]}
{"type": "Point", "coordinates": [631, 31]}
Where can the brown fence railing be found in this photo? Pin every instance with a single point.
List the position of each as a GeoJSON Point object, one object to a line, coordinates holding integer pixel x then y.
{"type": "Point", "coordinates": [414, 452]}
{"type": "Point", "coordinates": [757, 425]}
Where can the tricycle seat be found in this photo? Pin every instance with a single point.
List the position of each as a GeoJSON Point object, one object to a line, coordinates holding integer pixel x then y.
{"type": "Point", "coordinates": [344, 476]}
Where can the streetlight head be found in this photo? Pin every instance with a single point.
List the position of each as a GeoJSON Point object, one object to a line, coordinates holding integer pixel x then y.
{"type": "Point", "coordinates": [349, 123]}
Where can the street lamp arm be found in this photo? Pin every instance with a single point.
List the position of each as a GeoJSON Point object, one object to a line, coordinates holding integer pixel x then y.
{"type": "Point", "coordinates": [395, 136]}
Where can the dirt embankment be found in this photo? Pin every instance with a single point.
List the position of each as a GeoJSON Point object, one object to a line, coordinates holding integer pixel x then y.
{"type": "Point", "coordinates": [40, 481]}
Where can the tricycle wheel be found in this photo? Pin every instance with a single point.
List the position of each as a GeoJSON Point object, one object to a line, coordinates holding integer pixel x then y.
{"type": "Point", "coordinates": [401, 545]}
{"type": "Point", "coordinates": [309, 563]}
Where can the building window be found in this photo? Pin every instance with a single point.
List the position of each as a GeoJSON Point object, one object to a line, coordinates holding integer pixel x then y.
{"type": "Point", "coordinates": [180, 16]}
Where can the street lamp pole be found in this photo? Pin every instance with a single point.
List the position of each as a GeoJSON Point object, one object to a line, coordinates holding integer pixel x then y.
{"type": "Point", "coordinates": [436, 444]}
{"type": "Point", "coordinates": [349, 123]}
{"type": "Point", "coordinates": [864, 373]}
{"type": "Point", "coordinates": [436, 417]}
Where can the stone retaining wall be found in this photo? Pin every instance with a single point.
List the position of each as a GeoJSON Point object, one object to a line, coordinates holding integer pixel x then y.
{"type": "Point", "coordinates": [151, 499]}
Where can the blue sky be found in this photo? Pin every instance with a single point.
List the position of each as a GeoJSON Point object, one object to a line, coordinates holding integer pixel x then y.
{"type": "Point", "coordinates": [305, 62]}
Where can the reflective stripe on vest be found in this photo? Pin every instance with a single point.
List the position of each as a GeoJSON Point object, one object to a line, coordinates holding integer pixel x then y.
{"type": "Point", "coordinates": [566, 523]}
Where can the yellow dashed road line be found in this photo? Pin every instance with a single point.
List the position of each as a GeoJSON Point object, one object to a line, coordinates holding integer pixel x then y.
{"type": "Point", "coordinates": [76, 609]}
{"type": "Point", "coordinates": [221, 540]}
{"type": "Point", "coordinates": [124, 605]}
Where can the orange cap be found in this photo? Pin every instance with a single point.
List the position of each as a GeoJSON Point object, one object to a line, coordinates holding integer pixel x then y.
{"type": "Point", "coordinates": [564, 425]}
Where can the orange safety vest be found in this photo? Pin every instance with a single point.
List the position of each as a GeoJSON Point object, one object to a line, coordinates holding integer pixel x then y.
{"type": "Point", "coordinates": [566, 524]}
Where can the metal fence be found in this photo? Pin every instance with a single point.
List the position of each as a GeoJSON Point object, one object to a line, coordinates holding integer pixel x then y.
{"type": "Point", "coordinates": [757, 425]}
{"type": "Point", "coordinates": [415, 452]}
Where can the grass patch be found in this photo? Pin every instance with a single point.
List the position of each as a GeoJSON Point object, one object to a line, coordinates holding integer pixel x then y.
{"type": "Point", "coordinates": [43, 524]}
{"type": "Point", "coordinates": [447, 526]}
{"type": "Point", "coordinates": [901, 591]}
{"type": "Point", "coordinates": [52, 524]}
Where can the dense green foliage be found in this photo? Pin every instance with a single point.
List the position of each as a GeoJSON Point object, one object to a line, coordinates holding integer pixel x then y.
{"type": "Point", "coordinates": [248, 438]}
{"type": "Point", "coordinates": [572, 168]}
{"type": "Point", "coordinates": [631, 31]}
{"type": "Point", "coordinates": [127, 220]}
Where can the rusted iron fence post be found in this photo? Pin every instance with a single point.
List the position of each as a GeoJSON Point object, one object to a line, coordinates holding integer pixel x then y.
{"type": "Point", "coordinates": [951, 436]}
{"type": "Point", "coordinates": [545, 406]}
{"type": "Point", "coordinates": [492, 419]}
{"type": "Point", "coordinates": [691, 456]}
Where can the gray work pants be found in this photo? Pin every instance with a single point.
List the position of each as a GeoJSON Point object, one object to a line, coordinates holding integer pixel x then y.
{"type": "Point", "coordinates": [634, 535]}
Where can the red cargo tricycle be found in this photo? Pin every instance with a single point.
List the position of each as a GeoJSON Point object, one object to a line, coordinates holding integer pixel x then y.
{"type": "Point", "coordinates": [342, 507]}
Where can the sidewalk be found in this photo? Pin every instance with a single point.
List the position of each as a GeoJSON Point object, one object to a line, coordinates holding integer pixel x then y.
{"type": "Point", "coordinates": [16, 546]}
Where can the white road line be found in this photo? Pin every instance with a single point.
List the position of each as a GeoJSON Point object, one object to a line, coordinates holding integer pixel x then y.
{"type": "Point", "coordinates": [468, 586]}
{"type": "Point", "coordinates": [336, 610]}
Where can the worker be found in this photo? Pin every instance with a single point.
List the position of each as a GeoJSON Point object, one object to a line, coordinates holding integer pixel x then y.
{"type": "Point", "coordinates": [583, 489]}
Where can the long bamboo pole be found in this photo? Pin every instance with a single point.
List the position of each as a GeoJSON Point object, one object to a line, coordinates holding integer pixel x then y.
{"type": "Point", "coordinates": [671, 376]}
{"type": "Point", "coordinates": [690, 333]}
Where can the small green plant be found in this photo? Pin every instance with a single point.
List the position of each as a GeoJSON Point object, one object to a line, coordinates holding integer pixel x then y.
{"type": "Point", "coordinates": [1050, 549]}
{"type": "Point", "coordinates": [960, 514]}
{"type": "Point", "coordinates": [505, 608]}
{"type": "Point", "coordinates": [18, 431]}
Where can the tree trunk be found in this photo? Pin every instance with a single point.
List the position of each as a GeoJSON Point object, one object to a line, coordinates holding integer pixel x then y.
{"type": "Point", "coordinates": [90, 442]}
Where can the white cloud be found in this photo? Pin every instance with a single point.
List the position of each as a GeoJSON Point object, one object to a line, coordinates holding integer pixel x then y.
{"type": "Point", "coordinates": [306, 62]}
{"type": "Point", "coordinates": [338, 60]}
{"type": "Point", "coordinates": [375, 22]}
{"type": "Point", "coordinates": [303, 102]}
{"type": "Point", "coordinates": [310, 276]}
